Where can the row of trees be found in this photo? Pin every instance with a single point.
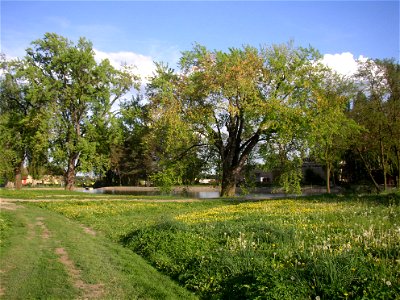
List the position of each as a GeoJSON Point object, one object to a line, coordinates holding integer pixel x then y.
{"type": "Point", "coordinates": [221, 112]}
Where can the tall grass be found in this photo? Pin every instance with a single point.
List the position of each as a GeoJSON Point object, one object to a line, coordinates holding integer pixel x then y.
{"type": "Point", "coordinates": [316, 247]}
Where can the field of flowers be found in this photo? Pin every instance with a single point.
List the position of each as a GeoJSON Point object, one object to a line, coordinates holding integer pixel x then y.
{"type": "Point", "coordinates": [308, 248]}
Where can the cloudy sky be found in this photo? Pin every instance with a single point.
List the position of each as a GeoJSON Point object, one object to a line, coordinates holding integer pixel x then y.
{"type": "Point", "coordinates": [140, 32]}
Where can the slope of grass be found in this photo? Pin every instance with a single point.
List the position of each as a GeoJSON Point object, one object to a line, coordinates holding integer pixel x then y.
{"type": "Point", "coordinates": [327, 247]}
{"type": "Point", "coordinates": [44, 255]}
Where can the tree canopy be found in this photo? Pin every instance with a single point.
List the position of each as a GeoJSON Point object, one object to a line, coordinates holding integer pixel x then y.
{"type": "Point", "coordinates": [377, 110]}
{"type": "Point", "coordinates": [222, 112]}
{"type": "Point", "coordinates": [23, 120]}
{"type": "Point", "coordinates": [77, 94]}
{"type": "Point", "coordinates": [234, 101]}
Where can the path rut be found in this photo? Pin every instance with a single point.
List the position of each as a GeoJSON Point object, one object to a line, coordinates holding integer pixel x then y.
{"type": "Point", "coordinates": [90, 291]}
{"type": "Point", "coordinates": [36, 228]}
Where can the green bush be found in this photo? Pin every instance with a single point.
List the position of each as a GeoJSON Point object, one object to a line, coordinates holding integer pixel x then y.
{"type": "Point", "coordinates": [165, 180]}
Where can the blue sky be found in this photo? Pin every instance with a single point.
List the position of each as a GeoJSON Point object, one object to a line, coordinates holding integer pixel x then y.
{"type": "Point", "coordinates": [140, 32]}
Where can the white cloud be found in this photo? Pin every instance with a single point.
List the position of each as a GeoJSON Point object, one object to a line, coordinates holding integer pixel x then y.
{"type": "Point", "coordinates": [144, 66]}
{"type": "Point", "coordinates": [344, 63]}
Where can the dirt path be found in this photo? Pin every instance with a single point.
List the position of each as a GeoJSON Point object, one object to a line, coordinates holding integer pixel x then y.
{"type": "Point", "coordinates": [39, 232]}
{"type": "Point", "coordinates": [89, 291]}
{"type": "Point", "coordinates": [44, 255]}
{"type": "Point", "coordinates": [8, 202]}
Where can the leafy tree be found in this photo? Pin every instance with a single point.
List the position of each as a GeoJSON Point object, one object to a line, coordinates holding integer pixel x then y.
{"type": "Point", "coordinates": [171, 142]}
{"type": "Point", "coordinates": [236, 100]}
{"type": "Point", "coordinates": [377, 109]}
{"type": "Point", "coordinates": [284, 154]}
{"type": "Point", "coordinates": [82, 93]}
{"type": "Point", "coordinates": [130, 161]}
{"type": "Point", "coordinates": [391, 105]}
{"type": "Point", "coordinates": [24, 119]}
{"type": "Point", "coordinates": [333, 130]}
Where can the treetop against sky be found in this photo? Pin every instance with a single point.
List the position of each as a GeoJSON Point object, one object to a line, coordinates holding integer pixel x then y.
{"type": "Point", "coordinates": [138, 32]}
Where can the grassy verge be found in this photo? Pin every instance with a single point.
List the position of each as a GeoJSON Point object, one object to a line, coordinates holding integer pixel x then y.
{"type": "Point", "coordinates": [60, 194]}
{"type": "Point", "coordinates": [44, 255]}
{"type": "Point", "coordinates": [327, 247]}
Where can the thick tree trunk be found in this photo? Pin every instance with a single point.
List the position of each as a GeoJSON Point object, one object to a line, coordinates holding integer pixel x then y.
{"type": "Point", "coordinates": [70, 180]}
{"type": "Point", "coordinates": [70, 175]}
{"type": "Point", "coordinates": [233, 164]}
{"type": "Point", "coordinates": [234, 153]}
{"type": "Point", "coordinates": [228, 185]}
{"type": "Point", "coordinates": [18, 177]}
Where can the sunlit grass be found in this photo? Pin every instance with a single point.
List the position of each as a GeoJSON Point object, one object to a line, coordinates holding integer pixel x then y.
{"type": "Point", "coordinates": [332, 248]}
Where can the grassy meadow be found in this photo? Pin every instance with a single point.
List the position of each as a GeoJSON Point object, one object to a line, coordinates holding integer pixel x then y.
{"type": "Point", "coordinates": [322, 247]}
{"type": "Point", "coordinates": [44, 255]}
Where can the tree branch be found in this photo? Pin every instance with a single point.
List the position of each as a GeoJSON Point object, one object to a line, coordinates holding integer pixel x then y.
{"type": "Point", "coordinates": [218, 137]}
{"type": "Point", "coordinates": [181, 155]}
{"type": "Point", "coordinates": [248, 147]}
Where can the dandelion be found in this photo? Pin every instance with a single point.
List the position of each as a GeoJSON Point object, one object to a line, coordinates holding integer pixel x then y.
{"type": "Point", "coordinates": [388, 283]}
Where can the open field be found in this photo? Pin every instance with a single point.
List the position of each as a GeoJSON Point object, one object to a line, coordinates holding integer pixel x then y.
{"type": "Point", "coordinates": [44, 255]}
{"type": "Point", "coordinates": [336, 247]}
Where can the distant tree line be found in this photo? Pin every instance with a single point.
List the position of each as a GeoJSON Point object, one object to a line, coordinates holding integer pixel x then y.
{"type": "Point", "coordinates": [220, 113]}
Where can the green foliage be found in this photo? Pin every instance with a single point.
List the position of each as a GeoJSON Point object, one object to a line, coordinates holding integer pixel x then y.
{"type": "Point", "coordinates": [221, 111]}
{"type": "Point", "coordinates": [78, 94]}
{"type": "Point", "coordinates": [171, 140]}
{"type": "Point", "coordinates": [165, 180]}
{"type": "Point", "coordinates": [332, 130]}
{"type": "Point", "coordinates": [290, 180]}
{"type": "Point", "coordinates": [130, 162]}
{"type": "Point", "coordinates": [377, 110]}
{"type": "Point", "coordinates": [24, 120]}
{"type": "Point", "coordinates": [236, 100]}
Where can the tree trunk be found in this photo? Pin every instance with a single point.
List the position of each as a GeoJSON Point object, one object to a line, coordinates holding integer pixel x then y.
{"type": "Point", "coordinates": [383, 165]}
{"type": "Point", "coordinates": [369, 172]}
{"type": "Point", "coordinates": [234, 154]}
{"type": "Point", "coordinates": [328, 178]}
{"type": "Point", "coordinates": [398, 168]}
{"type": "Point", "coordinates": [228, 185]}
{"type": "Point", "coordinates": [70, 176]}
{"type": "Point", "coordinates": [18, 177]}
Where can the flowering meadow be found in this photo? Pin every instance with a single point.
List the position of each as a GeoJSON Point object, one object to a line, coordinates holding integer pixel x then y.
{"type": "Point", "coordinates": [337, 247]}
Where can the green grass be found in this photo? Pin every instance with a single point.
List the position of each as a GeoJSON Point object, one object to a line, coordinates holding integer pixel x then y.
{"type": "Point", "coordinates": [32, 268]}
{"type": "Point", "coordinates": [28, 193]}
{"type": "Point", "coordinates": [331, 247]}
{"type": "Point", "coordinates": [294, 249]}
